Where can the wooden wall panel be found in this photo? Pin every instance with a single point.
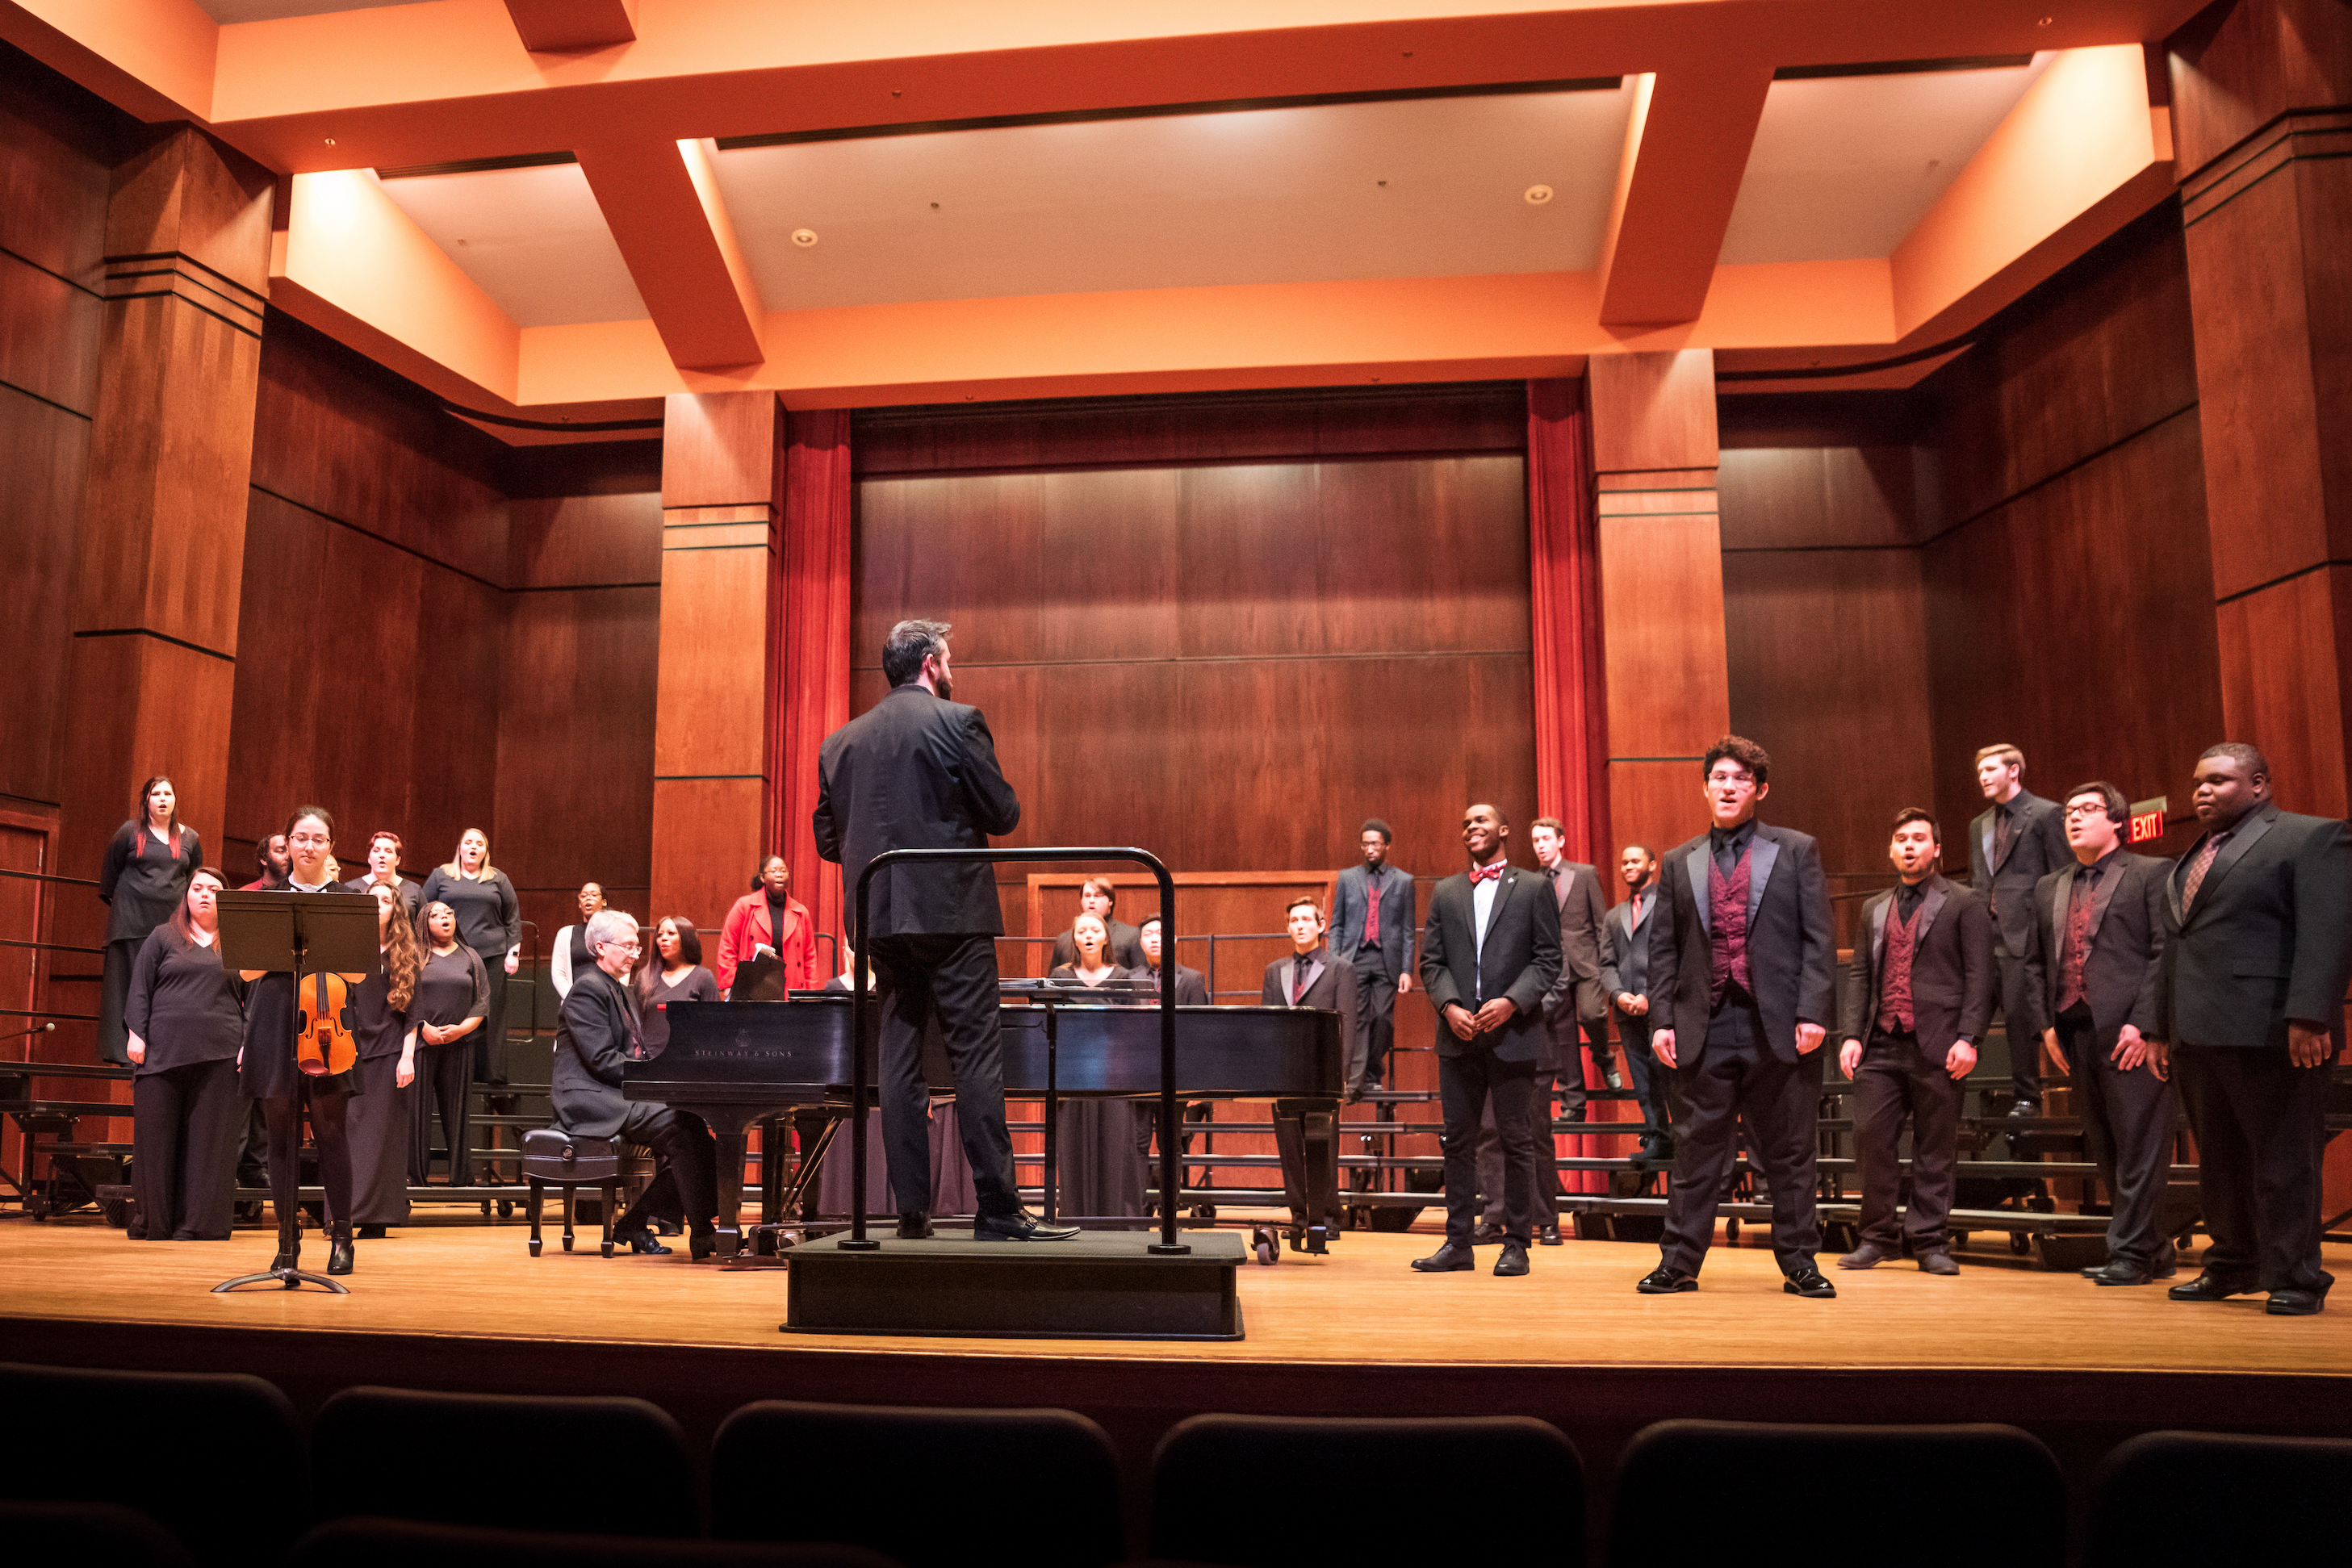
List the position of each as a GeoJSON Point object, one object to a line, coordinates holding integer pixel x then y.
{"type": "Point", "coordinates": [50, 335]}
{"type": "Point", "coordinates": [57, 144]}
{"type": "Point", "coordinates": [43, 454]}
{"type": "Point", "coordinates": [2283, 679]}
{"type": "Point", "coordinates": [1666, 644]}
{"type": "Point", "coordinates": [571, 541]}
{"type": "Point", "coordinates": [715, 603]}
{"type": "Point", "coordinates": [698, 861]}
{"type": "Point", "coordinates": [2235, 67]}
{"type": "Point", "coordinates": [1832, 496]}
{"type": "Point", "coordinates": [719, 450]}
{"type": "Point", "coordinates": [1651, 411]}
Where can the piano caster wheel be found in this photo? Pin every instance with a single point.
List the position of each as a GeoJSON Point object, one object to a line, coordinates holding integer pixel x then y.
{"type": "Point", "coordinates": [2019, 1243]}
{"type": "Point", "coordinates": [506, 1209]}
{"type": "Point", "coordinates": [1205, 1212]}
{"type": "Point", "coordinates": [1732, 1232]}
{"type": "Point", "coordinates": [1267, 1249]}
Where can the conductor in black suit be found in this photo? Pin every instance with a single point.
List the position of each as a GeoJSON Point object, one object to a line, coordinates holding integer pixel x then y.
{"type": "Point", "coordinates": [1741, 951]}
{"type": "Point", "coordinates": [1371, 931]}
{"type": "Point", "coordinates": [2012, 844]}
{"type": "Point", "coordinates": [920, 771]}
{"type": "Point", "coordinates": [2098, 928]}
{"type": "Point", "coordinates": [1917, 998]}
{"type": "Point", "coordinates": [1489, 956]}
{"type": "Point", "coordinates": [2258, 950]}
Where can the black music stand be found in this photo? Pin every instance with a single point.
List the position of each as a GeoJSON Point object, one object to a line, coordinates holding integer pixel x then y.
{"type": "Point", "coordinates": [300, 933]}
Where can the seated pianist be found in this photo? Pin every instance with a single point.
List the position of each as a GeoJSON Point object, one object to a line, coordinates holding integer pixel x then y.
{"type": "Point", "coordinates": [597, 1033]}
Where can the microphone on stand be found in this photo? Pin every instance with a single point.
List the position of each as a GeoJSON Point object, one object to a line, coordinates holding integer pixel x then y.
{"type": "Point", "coordinates": [37, 1028]}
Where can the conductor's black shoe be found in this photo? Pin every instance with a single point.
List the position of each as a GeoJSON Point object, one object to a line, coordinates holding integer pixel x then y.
{"type": "Point", "coordinates": [1616, 1080]}
{"type": "Point", "coordinates": [339, 1257]}
{"type": "Point", "coordinates": [1514, 1260]}
{"type": "Point", "coordinates": [2296, 1302]}
{"type": "Point", "coordinates": [1452, 1258]}
{"type": "Point", "coordinates": [914, 1227]}
{"type": "Point", "coordinates": [2118, 1272]}
{"type": "Point", "coordinates": [702, 1243]}
{"type": "Point", "coordinates": [1663, 1281]}
{"type": "Point", "coordinates": [1018, 1225]}
{"type": "Point", "coordinates": [1936, 1260]}
{"type": "Point", "coordinates": [1487, 1235]}
{"type": "Point", "coordinates": [1869, 1255]}
{"type": "Point", "coordinates": [641, 1240]}
{"type": "Point", "coordinates": [1809, 1281]}
{"type": "Point", "coordinates": [1549, 1235]}
{"type": "Point", "coordinates": [2207, 1287]}
{"type": "Point", "coordinates": [370, 1233]}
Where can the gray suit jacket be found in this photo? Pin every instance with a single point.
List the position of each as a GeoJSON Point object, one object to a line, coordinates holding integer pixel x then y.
{"type": "Point", "coordinates": [2126, 945]}
{"type": "Point", "coordinates": [1351, 898]}
{"type": "Point", "coordinates": [1625, 952]}
{"type": "Point", "coordinates": [2269, 938]}
{"type": "Point", "coordinates": [2037, 846]}
{"type": "Point", "coordinates": [1582, 913]}
{"type": "Point", "coordinates": [1792, 941]}
{"type": "Point", "coordinates": [1519, 959]}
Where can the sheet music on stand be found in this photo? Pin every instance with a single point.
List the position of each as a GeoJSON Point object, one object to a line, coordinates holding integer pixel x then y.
{"type": "Point", "coordinates": [1126, 991]}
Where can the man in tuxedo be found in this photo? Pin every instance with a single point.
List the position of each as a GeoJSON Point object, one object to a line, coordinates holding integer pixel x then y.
{"type": "Point", "coordinates": [1574, 1008]}
{"type": "Point", "coordinates": [1490, 956]}
{"type": "Point", "coordinates": [1312, 976]}
{"type": "Point", "coordinates": [1097, 895]}
{"type": "Point", "coordinates": [1191, 989]}
{"type": "Point", "coordinates": [919, 771]}
{"type": "Point", "coordinates": [2250, 996]}
{"type": "Point", "coordinates": [1626, 980]}
{"type": "Point", "coordinates": [1371, 931]}
{"type": "Point", "coordinates": [2098, 932]}
{"type": "Point", "coordinates": [1918, 995]}
{"type": "Point", "coordinates": [2013, 843]}
{"type": "Point", "coordinates": [1741, 951]}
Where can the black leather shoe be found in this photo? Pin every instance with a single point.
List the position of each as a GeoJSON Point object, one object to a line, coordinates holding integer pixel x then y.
{"type": "Point", "coordinates": [1869, 1255]}
{"type": "Point", "coordinates": [1809, 1283]}
{"type": "Point", "coordinates": [2207, 1287]}
{"type": "Point", "coordinates": [2118, 1273]}
{"type": "Point", "coordinates": [1937, 1261]}
{"type": "Point", "coordinates": [1451, 1258]}
{"type": "Point", "coordinates": [2296, 1302]}
{"type": "Point", "coordinates": [369, 1233]}
{"type": "Point", "coordinates": [1488, 1235]}
{"type": "Point", "coordinates": [1514, 1260]}
{"type": "Point", "coordinates": [1616, 1079]}
{"type": "Point", "coordinates": [288, 1258]}
{"type": "Point", "coordinates": [1572, 1113]}
{"type": "Point", "coordinates": [339, 1257]}
{"type": "Point", "coordinates": [701, 1244]}
{"type": "Point", "coordinates": [1018, 1225]}
{"type": "Point", "coordinates": [1664, 1281]}
{"type": "Point", "coordinates": [1549, 1235]}
{"type": "Point", "coordinates": [914, 1227]}
{"type": "Point", "coordinates": [2022, 1108]}
{"type": "Point", "coordinates": [641, 1241]}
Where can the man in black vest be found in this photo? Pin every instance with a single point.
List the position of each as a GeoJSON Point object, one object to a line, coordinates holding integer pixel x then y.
{"type": "Point", "coordinates": [2098, 934]}
{"type": "Point", "coordinates": [2012, 844]}
{"type": "Point", "coordinates": [2258, 950]}
{"type": "Point", "coordinates": [1918, 997]}
{"type": "Point", "coordinates": [1742, 952]}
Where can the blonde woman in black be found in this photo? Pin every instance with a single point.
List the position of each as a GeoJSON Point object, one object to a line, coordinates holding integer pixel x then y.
{"type": "Point", "coordinates": [186, 1022]}
{"type": "Point", "coordinates": [148, 864]}
{"type": "Point", "coordinates": [489, 921]}
{"type": "Point", "coordinates": [379, 1121]}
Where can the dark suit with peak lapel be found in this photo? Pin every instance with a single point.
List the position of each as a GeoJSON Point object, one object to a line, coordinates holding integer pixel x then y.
{"type": "Point", "coordinates": [1306, 1129]}
{"type": "Point", "coordinates": [595, 1030]}
{"type": "Point", "coordinates": [1377, 965]}
{"type": "Point", "coordinates": [1573, 1008]}
{"type": "Point", "coordinates": [1737, 1054]}
{"type": "Point", "coordinates": [2007, 876]}
{"type": "Point", "coordinates": [1950, 993]}
{"type": "Point", "coordinates": [2266, 939]}
{"type": "Point", "coordinates": [1625, 969]}
{"type": "Point", "coordinates": [2126, 1116]}
{"type": "Point", "coordinates": [916, 771]}
{"type": "Point", "coordinates": [1516, 955]}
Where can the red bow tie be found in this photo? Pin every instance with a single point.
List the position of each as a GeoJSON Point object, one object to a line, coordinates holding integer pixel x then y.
{"type": "Point", "coordinates": [1487, 874]}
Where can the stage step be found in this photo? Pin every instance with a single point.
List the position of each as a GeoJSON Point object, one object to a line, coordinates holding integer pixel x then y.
{"type": "Point", "coordinates": [1103, 1284]}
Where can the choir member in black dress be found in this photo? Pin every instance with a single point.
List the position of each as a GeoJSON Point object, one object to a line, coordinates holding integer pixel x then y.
{"type": "Point", "coordinates": [489, 921]}
{"type": "Point", "coordinates": [672, 972]}
{"type": "Point", "coordinates": [186, 1020]}
{"type": "Point", "coordinates": [381, 1138]}
{"type": "Point", "coordinates": [452, 999]}
{"type": "Point", "coordinates": [570, 954]}
{"type": "Point", "coordinates": [148, 864]}
{"type": "Point", "coordinates": [384, 866]}
{"type": "Point", "coordinates": [271, 1075]}
{"type": "Point", "coordinates": [1100, 1144]}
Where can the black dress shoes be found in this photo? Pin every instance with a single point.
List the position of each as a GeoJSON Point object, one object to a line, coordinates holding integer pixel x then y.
{"type": "Point", "coordinates": [1513, 1261]}
{"type": "Point", "coordinates": [339, 1257]}
{"type": "Point", "coordinates": [1018, 1225]}
{"type": "Point", "coordinates": [1868, 1255]}
{"type": "Point", "coordinates": [1937, 1262]}
{"type": "Point", "coordinates": [288, 1258]}
{"type": "Point", "coordinates": [2024, 1109]}
{"type": "Point", "coordinates": [702, 1243]}
{"type": "Point", "coordinates": [369, 1233]}
{"type": "Point", "coordinates": [2207, 1287]}
{"type": "Point", "coordinates": [2296, 1302]}
{"type": "Point", "coordinates": [1549, 1235]}
{"type": "Point", "coordinates": [642, 1241]}
{"type": "Point", "coordinates": [2118, 1272]}
{"type": "Point", "coordinates": [1663, 1281]}
{"type": "Point", "coordinates": [914, 1227]}
{"type": "Point", "coordinates": [1572, 1113]}
{"type": "Point", "coordinates": [1616, 1079]}
{"type": "Point", "coordinates": [1809, 1282]}
{"type": "Point", "coordinates": [1488, 1235]}
{"type": "Point", "coordinates": [1452, 1258]}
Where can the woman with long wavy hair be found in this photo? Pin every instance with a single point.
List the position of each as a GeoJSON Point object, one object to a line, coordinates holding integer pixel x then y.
{"type": "Point", "coordinates": [379, 1119]}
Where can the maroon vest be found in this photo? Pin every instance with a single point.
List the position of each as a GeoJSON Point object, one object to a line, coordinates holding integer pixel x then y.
{"type": "Point", "coordinates": [1894, 970]}
{"type": "Point", "coordinates": [1727, 904]}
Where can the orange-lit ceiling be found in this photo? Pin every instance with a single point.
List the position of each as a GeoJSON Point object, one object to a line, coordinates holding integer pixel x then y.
{"type": "Point", "coordinates": [922, 200]}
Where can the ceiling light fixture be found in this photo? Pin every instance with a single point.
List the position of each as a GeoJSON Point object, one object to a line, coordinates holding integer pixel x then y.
{"type": "Point", "coordinates": [1537, 195]}
{"type": "Point", "coordinates": [804, 237]}
{"type": "Point", "coordinates": [331, 141]}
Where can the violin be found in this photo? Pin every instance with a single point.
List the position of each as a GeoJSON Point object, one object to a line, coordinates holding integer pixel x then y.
{"type": "Point", "coordinates": [325, 1044]}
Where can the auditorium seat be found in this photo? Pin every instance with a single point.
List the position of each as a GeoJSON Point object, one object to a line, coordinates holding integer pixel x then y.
{"type": "Point", "coordinates": [1702, 1492]}
{"type": "Point", "coordinates": [404, 1544]}
{"type": "Point", "coordinates": [1273, 1491]}
{"type": "Point", "coordinates": [2207, 1497]}
{"type": "Point", "coordinates": [97, 1532]}
{"type": "Point", "coordinates": [928, 1487]}
{"type": "Point", "coordinates": [217, 1458]}
{"type": "Point", "coordinates": [610, 1465]}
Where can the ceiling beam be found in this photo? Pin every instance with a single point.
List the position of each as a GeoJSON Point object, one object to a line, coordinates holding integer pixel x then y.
{"type": "Point", "coordinates": [661, 202]}
{"type": "Point", "coordinates": [1687, 145]}
{"type": "Point", "coordinates": [553, 27]}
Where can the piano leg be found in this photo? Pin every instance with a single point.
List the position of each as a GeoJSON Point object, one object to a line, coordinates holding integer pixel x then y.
{"type": "Point", "coordinates": [730, 1132]}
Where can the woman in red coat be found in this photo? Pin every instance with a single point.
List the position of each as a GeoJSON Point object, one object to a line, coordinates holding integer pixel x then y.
{"type": "Point", "coordinates": [765, 921]}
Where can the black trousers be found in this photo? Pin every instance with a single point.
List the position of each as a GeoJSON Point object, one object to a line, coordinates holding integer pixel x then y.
{"type": "Point", "coordinates": [488, 1044]}
{"type": "Point", "coordinates": [684, 1152]}
{"type": "Point", "coordinates": [1651, 1078]}
{"type": "Point", "coordinates": [2016, 1006]}
{"type": "Point", "coordinates": [2127, 1123]}
{"type": "Point", "coordinates": [1375, 994]}
{"type": "Point", "coordinates": [2261, 1124]}
{"type": "Point", "coordinates": [328, 1110]}
{"type": "Point", "coordinates": [114, 999]}
{"type": "Point", "coordinates": [953, 976]}
{"type": "Point", "coordinates": [1895, 1080]}
{"type": "Point", "coordinates": [186, 1126]}
{"type": "Point", "coordinates": [1492, 1179]}
{"type": "Point", "coordinates": [1570, 1039]}
{"type": "Point", "coordinates": [444, 1074]}
{"type": "Point", "coordinates": [381, 1142]}
{"type": "Point", "coordinates": [1466, 1082]}
{"type": "Point", "coordinates": [1737, 1074]}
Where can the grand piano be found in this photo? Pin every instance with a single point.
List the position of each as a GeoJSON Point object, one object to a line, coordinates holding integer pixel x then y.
{"type": "Point", "coordinates": [737, 1063]}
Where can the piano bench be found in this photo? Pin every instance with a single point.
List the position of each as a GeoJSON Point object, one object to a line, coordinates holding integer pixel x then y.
{"type": "Point", "coordinates": [553, 1158]}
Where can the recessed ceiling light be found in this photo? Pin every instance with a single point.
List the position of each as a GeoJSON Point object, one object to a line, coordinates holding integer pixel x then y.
{"type": "Point", "coordinates": [1537, 195]}
{"type": "Point", "coordinates": [331, 141]}
{"type": "Point", "coordinates": [804, 237]}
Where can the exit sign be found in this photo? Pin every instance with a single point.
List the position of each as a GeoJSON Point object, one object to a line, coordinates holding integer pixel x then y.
{"type": "Point", "coordinates": [2147, 818]}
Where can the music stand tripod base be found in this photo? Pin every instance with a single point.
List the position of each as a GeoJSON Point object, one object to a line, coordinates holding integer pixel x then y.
{"type": "Point", "coordinates": [292, 1279]}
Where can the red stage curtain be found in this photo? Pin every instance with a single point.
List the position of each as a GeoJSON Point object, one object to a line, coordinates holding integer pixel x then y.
{"type": "Point", "coordinates": [808, 658]}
